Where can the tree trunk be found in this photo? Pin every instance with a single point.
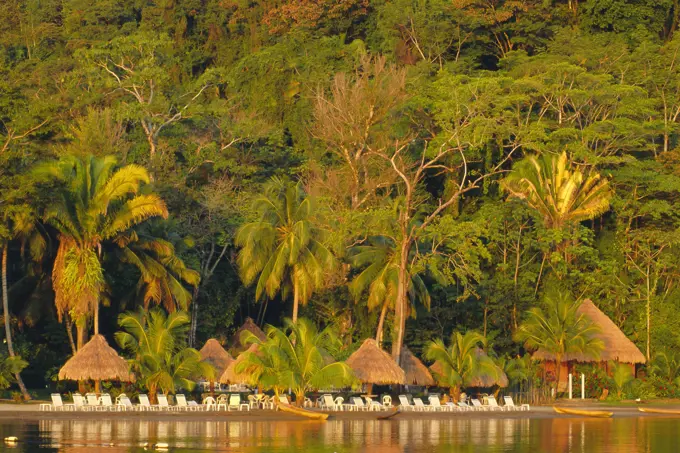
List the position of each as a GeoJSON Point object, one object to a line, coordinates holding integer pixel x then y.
{"type": "Point", "coordinates": [454, 392]}
{"type": "Point", "coordinates": [8, 329]}
{"type": "Point", "coordinates": [194, 317]}
{"type": "Point", "coordinates": [381, 323]}
{"type": "Point", "coordinates": [400, 303]}
{"type": "Point", "coordinates": [81, 332]}
{"type": "Point", "coordinates": [97, 387]}
{"type": "Point", "coordinates": [299, 399]}
{"type": "Point", "coordinates": [96, 318]}
{"type": "Point", "coordinates": [649, 320]}
{"type": "Point", "coordinates": [69, 332]}
{"type": "Point", "coordinates": [558, 372]}
{"type": "Point", "coordinates": [296, 300]}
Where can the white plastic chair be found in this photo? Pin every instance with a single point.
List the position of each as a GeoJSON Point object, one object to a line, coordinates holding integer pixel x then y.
{"type": "Point", "coordinates": [123, 403]}
{"type": "Point", "coordinates": [477, 405]}
{"type": "Point", "coordinates": [79, 402]}
{"type": "Point", "coordinates": [373, 405]}
{"type": "Point", "coordinates": [387, 401]}
{"type": "Point", "coordinates": [209, 404]}
{"type": "Point", "coordinates": [58, 403]}
{"type": "Point", "coordinates": [359, 404]}
{"type": "Point", "coordinates": [493, 404]}
{"type": "Point", "coordinates": [436, 405]}
{"type": "Point", "coordinates": [222, 402]}
{"type": "Point", "coordinates": [145, 404]}
{"type": "Point", "coordinates": [92, 401]}
{"type": "Point", "coordinates": [329, 403]}
{"type": "Point", "coordinates": [420, 406]}
{"type": "Point", "coordinates": [105, 402]}
{"type": "Point", "coordinates": [163, 404]}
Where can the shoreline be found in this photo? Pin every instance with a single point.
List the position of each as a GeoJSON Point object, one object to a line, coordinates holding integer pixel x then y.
{"type": "Point", "coordinates": [31, 412]}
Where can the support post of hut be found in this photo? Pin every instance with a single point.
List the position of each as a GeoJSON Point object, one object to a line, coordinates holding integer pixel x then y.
{"type": "Point", "coordinates": [97, 387]}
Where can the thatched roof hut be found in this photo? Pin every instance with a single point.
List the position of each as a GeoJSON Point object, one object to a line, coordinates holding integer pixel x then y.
{"type": "Point", "coordinates": [372, 365]}
{"type": "Point", "coordinates": [230, 376]}
{"type": "Point", "coordinates": [617, 347]}
{"type": "Point", "coordinates": [235, 342]}
{"type": "Point", "coordinates": [213, 353]}
{"type": "Point", "coordinates": [483, 381]}
{"type": "Point", "coordinates": [96, 361]}
{"type": "Point", "coordinates": [415, 370]}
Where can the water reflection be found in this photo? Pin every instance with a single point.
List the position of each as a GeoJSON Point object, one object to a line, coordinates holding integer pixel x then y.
{"type": "Point", "coordinates": [628, 435]}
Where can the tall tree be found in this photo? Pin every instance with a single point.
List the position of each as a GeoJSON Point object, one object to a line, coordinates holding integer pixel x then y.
{"type": "Point", "coordinates": [284, 249]}
{"type": "Point", "coordinates": [95, 203]}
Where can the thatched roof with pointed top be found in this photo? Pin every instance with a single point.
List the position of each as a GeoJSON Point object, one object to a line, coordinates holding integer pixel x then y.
{"type": "Point", "coordinates": [617, 346]}
{"type": "Point", "coordinates": [235, 342]}
{"type": "Point", "coordinates": [415, 370]}
{"type": "Point", "coordinates": [230, 376]}
{"type": "Point", "coordinates": [372, 365]}
{"type": "Point", "coordinates": [483, 381]}
{"type": "Point", "coordinates": [96, 361]}
{"type": "Point", "coordinates": [213, 353]}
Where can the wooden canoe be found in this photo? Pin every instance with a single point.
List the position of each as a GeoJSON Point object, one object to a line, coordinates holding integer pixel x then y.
{"type": "Point", "coordinates": [390, 414]}
{"type": "Point", "coordinates": [583, 413]}
{"type": "Point", "coordinates": [651, 410]}
{"type": "Point", "coordinates": [302, 412]}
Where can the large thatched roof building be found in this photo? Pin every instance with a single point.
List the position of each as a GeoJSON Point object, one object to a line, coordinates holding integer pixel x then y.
{"type": "Point", "coordinates": [235, 343]}
{"type": "Point", "coordinates": [213, 353]}
{"type": "Point", "coordinates": [416, 372]}
{"type": "Point", "coordinates": [617, 347]}
{"type": "Point", "coordinates": [372, 365]}
{"type": "Point", "coordinates": [96, 361]}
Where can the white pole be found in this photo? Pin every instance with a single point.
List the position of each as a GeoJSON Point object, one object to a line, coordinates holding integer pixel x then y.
{"type": "Point", "coordinates": [583, 386]}
{"type": "Point", "coordinates": [570, 385]}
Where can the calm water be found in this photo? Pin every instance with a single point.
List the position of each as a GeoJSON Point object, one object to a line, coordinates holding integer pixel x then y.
{"type": "Point", "coordinates": [623, 435]}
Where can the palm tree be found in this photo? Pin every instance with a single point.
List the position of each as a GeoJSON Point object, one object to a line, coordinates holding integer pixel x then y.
{"type": "Point", "coordinates": [283, 250]}
{"type": "Point", "coordinates": [95, 204]}
{"type": "Point", "coordinates": [380, 276]}
{"type": "Point", "coordinates": [158, 344]}
{"type": "Point", "coordinates": [667, 366]}
{"type": "Point", "coordinates": [622, 375]}
{"type": "Point", "coordinates": [461, 362]}
{"type": "Point", "coordinates": [162, 273]}
{"type": "Point", "coordinates": [299, 357]}
{"type": "Point", "coordinates": [558, 190]}
{"type": "Point", "coordinates": [560, 330]}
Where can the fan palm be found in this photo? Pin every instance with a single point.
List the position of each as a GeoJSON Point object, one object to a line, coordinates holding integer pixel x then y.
{"type": "Point", "coordinates": [95, 203]}
{"type": "Point", "coordinates": [558, 190]}
{"type": "Point", "coordinates": [461, 362]}
{"type": "Point", "coordinates": [158, 344]}
{"type": "Point", "coordinates": [299, 357]}
{"type": "Point", "coordinates": [560, 330]}
{"type": "Point", "coordinates": [283, 249]}
{"type": "Point", "coordinates": [380, 277]}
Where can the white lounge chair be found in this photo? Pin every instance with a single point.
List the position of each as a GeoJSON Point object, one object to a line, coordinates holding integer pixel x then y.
{"type": "Point", "coordinates": [235, 403]}
{"type": "Point", "coordinates": [163, 403]}
{"type": "Point", "coordinates": [79, 402]}
{"type": "Point", "coordinates": [493, 404]}
{"type": "Point", "coordinates": [93, 402]}
{"type": "Point", "coordinates": [359, 404]}
{"type": "Point", "coordinates": [145, 404]}
{"type": "Point", "coordinates": [435, 404]}
{"type": "Point", "coordinates": [510, 404]}
{"type": "Point", "coordinates": [105, 402]}
{"type": "Point", "coordinates": [329, 404]}
{"type": "Point", "coordinates": [57, 404]}
{"type": "Point", "coordinates": [373, 405]}
{"type": "Point", "coordinates": [404, 404]}
{"type": "Point", "coordinates": [463, 406]}
{"type": "Point", "coordinates": [283, 399]}
{"type": "Point", "coordinates": [183, 405]}
{"type": "Point", "coordinates": [477, 405]}
{"type": "Point", "coordinates": [420, 406]}
{"type": "Point", "coordinates": [123, 403]}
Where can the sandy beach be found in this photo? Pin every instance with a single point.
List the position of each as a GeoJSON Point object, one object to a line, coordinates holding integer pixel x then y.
{"type": "Point", "coordinates": [32, 412]}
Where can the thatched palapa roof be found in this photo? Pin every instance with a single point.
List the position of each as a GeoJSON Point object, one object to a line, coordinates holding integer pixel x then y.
{"type": "Point", "coordinates": [372, 365]}
{"type": "Point", "coordinates": [617, 346]}
{"type": "Point", "coordinates": [213, 353]}
{"type": "Point", "coordinates": [96, 361]}
{"type": "Point", "coordinates": [230, 376]}
{"type": "Point", "coordinates": [483, 381]}
{"type": "Point", "coordinates": [235, 342]}
{"type": "Point", "coordinates": [415, 370]}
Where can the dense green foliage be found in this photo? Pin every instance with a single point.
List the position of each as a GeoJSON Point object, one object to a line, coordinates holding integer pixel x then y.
{"type": "Point", "coordinates": [393, 128]}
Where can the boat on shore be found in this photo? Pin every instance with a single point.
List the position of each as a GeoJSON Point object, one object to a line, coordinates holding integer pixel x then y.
{"type": "Point", "coordinates": [389, 414]}
{"type": "Point", "coordinates": [302, 412]}
{"type": "Point", "coordinates": [583, 412]}
{"type": "Point", "coordinates": [652, 410]}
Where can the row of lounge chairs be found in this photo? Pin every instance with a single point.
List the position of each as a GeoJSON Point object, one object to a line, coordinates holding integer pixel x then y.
{"type": "Point", "coordinates": [90, 402]}
{"type": "Point", "coordinates": [462, 406]}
